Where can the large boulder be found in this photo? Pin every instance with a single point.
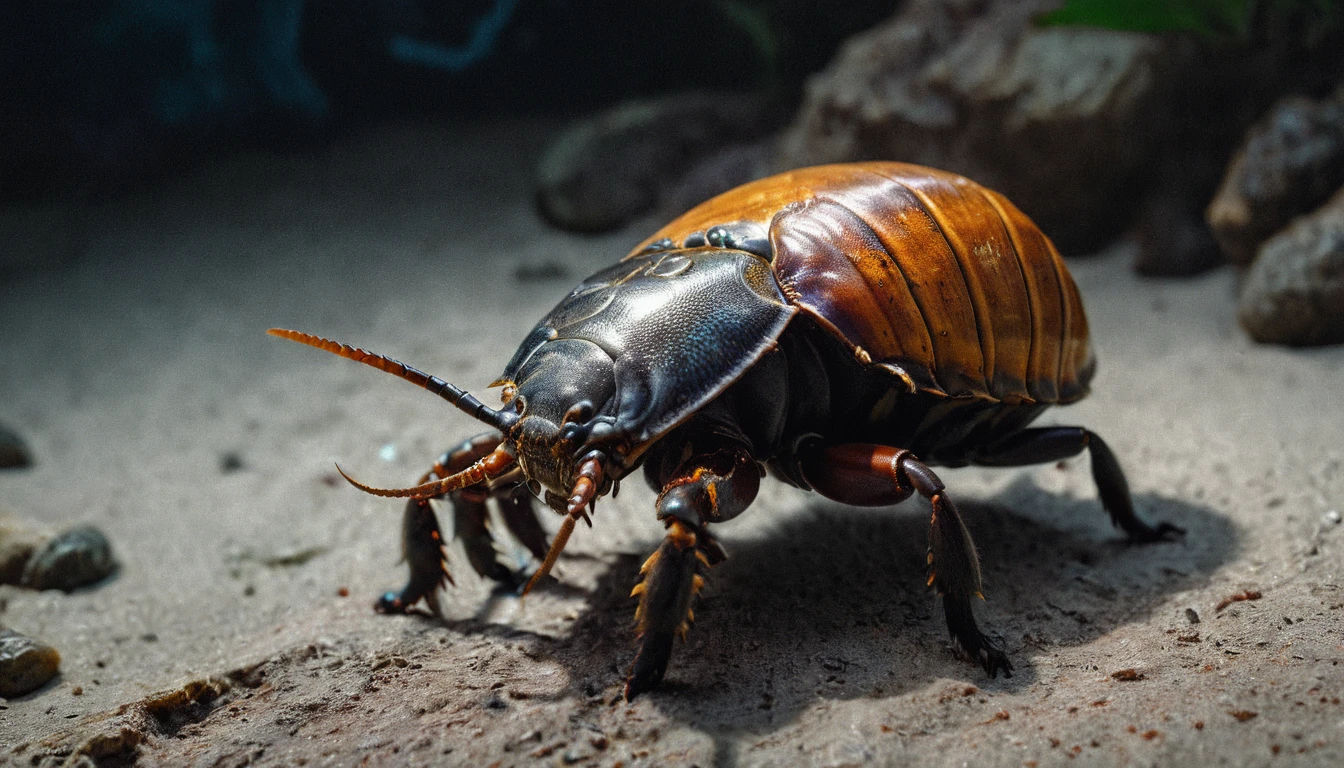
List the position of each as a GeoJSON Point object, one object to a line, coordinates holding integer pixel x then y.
{"type": "Point", "coordinates": [1290, 162]}
{"type": "Point", "coordinates": [1066, 121]}
{"type": "Point", "coordinates": [1294, 291]}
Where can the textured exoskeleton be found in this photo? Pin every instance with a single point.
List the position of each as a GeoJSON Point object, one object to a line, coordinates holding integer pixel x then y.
{"type": "Point", "coordinates": [845, 327]}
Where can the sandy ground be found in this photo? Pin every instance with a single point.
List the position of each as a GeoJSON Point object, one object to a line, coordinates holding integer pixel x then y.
{"type": "Point", "coordinates": [136, 367]}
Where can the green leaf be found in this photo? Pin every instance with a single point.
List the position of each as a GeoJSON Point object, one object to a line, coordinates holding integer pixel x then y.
{"type": "Point", "coordinates": [1210, 18]}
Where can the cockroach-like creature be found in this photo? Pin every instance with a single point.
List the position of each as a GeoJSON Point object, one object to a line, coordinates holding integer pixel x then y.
{"type": "Point", "coordinates": [846, 327]}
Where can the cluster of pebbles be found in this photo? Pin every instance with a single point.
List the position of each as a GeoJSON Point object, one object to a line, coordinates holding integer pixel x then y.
{"type": "Point", "coordinates": [33, 557]}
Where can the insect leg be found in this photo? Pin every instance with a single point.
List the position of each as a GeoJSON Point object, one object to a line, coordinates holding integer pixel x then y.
{"type": "Point", "coordinates": [422, 548]}
{"type": "Point", "coordinates": [672, 577]}
{"type": "Point", "coordinates": [708, 487]}
{"type": "Point", "coordinates": [872, 475]}
{"type": "Point", "coordinates": [470, 524]}
{"type": "Point", "coordinates": [515, 506]}
{"type": "Point", "coordinates": [1043, 444]}
{"type": "Point", "coordinates": [421, 540]}
{"type": "Point", "coordinates": [861, 474]}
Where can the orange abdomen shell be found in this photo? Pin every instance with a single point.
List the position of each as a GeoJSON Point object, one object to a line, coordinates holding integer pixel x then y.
{"type": "Point", "coordinates": [939, 280]}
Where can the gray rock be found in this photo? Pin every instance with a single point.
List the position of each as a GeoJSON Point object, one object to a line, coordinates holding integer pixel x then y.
{"type": "Point", "coordinates": [13, 451]}
{"type": "Point", "coordinates": [1290, 162]}
{"type": "Point", "coordinates": [1059, 119]}
{"type": "Point", "coordinates": [1294, 292]}
{"type": "Point", "coordinates": [70, 560]}
{"type": "Point", "coordinates": [25, 664]}
{"type": "Point", "coordinates": [604, 171]}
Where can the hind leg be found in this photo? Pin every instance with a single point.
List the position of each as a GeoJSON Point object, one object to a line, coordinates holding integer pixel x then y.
{"type": "Point", "coordinates": [1039, 445]}
{"type": "Point", "coordinates": [864, 474]}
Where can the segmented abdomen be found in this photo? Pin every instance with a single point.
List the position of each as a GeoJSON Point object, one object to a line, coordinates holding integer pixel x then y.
{"type": "Point", "coordinates": [939, 279]}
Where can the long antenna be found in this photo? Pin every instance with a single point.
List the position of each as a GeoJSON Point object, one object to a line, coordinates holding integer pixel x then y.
{"type": "Point", "coordinates": [501, 420]}
{"type": "Point", "coordinates": [492, 465]}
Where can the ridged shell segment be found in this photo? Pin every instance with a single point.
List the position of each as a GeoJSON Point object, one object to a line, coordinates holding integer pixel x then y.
{"type": "Point", "coordinates": [920, 270]}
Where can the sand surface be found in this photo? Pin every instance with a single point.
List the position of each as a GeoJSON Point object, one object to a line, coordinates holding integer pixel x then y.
{"type": "Point", "coordinates": [136, 366]}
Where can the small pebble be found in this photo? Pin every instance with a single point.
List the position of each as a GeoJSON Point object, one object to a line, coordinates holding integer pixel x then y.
{"type": "Point", "coordinates": [231, 462]}
{"type": "Point", "coordinates": [25, 664]}
{"type": "Point", "coordinates": [1191, 616]}
{"type": "Point", "coordinates": [1331, 517]}
{"type": "Point", "coordinates": [73, 559]}
{"type": "Point", "coordinates": [13, 452]}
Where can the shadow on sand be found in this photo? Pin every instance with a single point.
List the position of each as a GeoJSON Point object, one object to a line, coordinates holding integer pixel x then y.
{"type": "Point", "coordinates": [832, 604]}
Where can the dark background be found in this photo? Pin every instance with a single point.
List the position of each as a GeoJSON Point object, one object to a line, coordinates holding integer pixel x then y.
{"type": "Point", "coordinates": [100, 95]}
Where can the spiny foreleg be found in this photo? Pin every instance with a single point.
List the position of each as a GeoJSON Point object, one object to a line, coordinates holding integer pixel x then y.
{"type": "Point", "coordinates": [712, 486]}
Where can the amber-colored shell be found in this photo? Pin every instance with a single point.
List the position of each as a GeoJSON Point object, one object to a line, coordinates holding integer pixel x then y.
{"type": "Point", "coordinates": [941, 281]}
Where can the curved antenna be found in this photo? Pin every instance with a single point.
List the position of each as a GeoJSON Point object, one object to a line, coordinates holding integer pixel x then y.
{"type": "Point", "coordinates": [493, 464]}
{"type": "Point", "coordinates": [501, 420]}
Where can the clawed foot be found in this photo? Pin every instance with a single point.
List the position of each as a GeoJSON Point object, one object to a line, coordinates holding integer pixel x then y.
{"type": "Point", "coordinates": [983, 651]}
{"type": "Point", "coordinates": [395, 603]}
{"type": "Point", "coordinates": [390, 602]}
{"type": "Point", "coordinates": [971, 641]}
{"type": "Point", "coordinates": [650, 664]}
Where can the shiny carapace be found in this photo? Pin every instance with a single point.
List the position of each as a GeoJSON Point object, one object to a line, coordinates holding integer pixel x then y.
{"type": "Point", "coordinates": [843, 327]}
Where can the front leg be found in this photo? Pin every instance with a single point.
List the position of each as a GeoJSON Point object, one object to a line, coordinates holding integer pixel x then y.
{"type": "Point", "coordinates": [422, 541]}
{"type": "Point", "coordinates": [708, 487]}
{"type": "Point", "coordinates": [875, 475]}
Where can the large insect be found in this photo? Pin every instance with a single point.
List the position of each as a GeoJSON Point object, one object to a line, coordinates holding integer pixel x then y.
{"type": "Point", "coordinates": [845, 327]}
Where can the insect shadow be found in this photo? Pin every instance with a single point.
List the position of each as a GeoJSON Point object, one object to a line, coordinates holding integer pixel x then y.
{"type": "Point", "coordinates": [833, 603]}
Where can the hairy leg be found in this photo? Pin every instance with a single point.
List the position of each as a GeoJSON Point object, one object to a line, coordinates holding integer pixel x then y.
{"type": "Point", "coordinates": [422, 540]}
{"type": "Point", "coordinates": [712, 486]}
